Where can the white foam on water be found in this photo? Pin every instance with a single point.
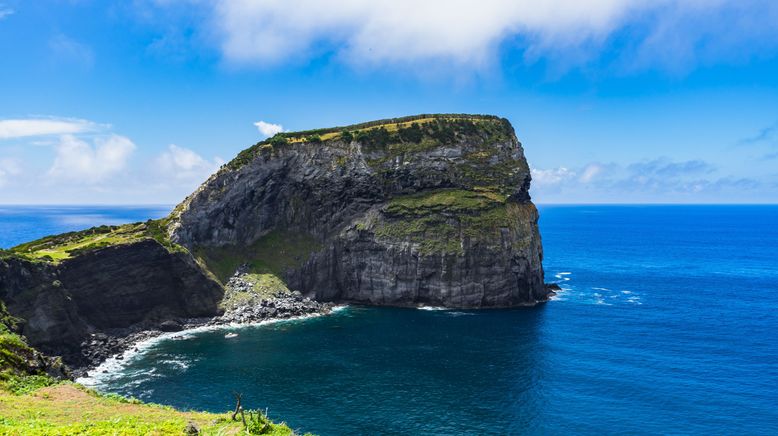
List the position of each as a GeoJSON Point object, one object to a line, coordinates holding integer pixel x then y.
{"type": "Point", "coordinates": [432, 308]}
{"type": "Point", "coordinates": [459, 313]}
{"type": "Point", "coordinates": [626, 292]}
{"type": "Point", "coordinates": [563, 276]}
{"type": "Point", "coordinates": [112, 366]}
{"type": "Point", "coordinates": [634, 300]}
{"type": "Point", "coordinates": [601, 289]}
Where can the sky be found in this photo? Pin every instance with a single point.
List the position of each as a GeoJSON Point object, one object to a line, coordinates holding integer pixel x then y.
{"type": "Point", "coordinates": [614, 101]}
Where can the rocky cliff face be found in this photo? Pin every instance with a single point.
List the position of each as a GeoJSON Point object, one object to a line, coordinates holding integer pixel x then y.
{"type": "Point", "coordinates": [114, 287]}
{"type": "Point", "coordinates": [423, 210]}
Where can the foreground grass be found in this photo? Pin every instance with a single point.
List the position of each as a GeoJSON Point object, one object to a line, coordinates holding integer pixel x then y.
{"type": "Point", "coordinates": [32, 403]}
{"type": "Point", "coordinates": [71, 409]}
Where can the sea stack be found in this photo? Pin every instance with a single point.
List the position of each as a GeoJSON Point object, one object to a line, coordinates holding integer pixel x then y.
{"type": "Point", "coordinates": [421, 210]}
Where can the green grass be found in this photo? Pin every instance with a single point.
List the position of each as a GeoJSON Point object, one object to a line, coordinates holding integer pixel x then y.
{"type": "Point", "coordinates": [273, 253]}
{"type": "Point", "coordinates": [57, 248]}
{"type": "Point", "coordinates": [450, 201]}
{"type": "Point", "coordinates": [397, 135]}
{"type": "Point", "coordinates": [439, 221]}
{"type": "Point", "coordinates": [264, 287]}
{"type": "Point", "coordinates": [71, 409]}
{"type": "Point", "coordinates": [32, 403]}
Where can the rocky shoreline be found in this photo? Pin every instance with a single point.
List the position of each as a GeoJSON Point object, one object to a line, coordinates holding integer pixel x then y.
{"type": "Point", "coordinates": [101, 346]}
{"type": "Point", "coordinates": [283, 304]}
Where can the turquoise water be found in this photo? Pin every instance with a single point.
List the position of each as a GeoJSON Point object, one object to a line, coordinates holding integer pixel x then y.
{"type": "Point", "coordinates": [667, 325]}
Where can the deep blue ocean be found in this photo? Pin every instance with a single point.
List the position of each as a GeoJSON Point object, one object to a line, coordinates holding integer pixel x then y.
{"type": "Point", "coordinates": [668, 324]}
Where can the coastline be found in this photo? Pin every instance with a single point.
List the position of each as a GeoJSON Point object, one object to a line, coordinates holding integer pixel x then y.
{"type": "Point", "coordinates": [106, 351]}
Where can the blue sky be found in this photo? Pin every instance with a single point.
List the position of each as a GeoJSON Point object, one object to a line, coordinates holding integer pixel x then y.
{"type": "Point", "coordinates": [137, 102]}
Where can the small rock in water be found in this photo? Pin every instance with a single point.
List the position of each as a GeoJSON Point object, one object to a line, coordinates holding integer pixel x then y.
{"type": "Point", "coordinates": [170, 326]}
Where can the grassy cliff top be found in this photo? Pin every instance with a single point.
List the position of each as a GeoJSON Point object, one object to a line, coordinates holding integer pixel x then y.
{"type": "Point", "coordinates": [427, 129]}
{"type": "Point", "coordinates": [60, 247]}
{"type": "Point", "coordinates": [390, 124]}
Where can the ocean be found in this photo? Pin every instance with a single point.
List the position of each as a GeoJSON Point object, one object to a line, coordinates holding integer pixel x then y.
{"type": "Point", "coordinates": [667, 324]}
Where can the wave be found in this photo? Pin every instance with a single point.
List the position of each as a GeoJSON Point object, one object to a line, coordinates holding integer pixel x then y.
{"type": "Point", "coordinates": [113, 365]}
{"type": "Point", "coordinates": [563, 276]}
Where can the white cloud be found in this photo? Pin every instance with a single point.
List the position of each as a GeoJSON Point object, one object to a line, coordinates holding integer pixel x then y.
{"type": "Point", "coordinates": [9, 167]}
{"type": "Point", "coordinates": [19, 128]}
{"type": "Point", "coordinates": [5, 11]}
{"type": "Point", "coordinates": [268, 129]}
{"type": "Point", "coordinates": [665, 33]}
{"type": "Point", "coordinates": [78, 161]}
{"type": "Point", "coordinates": [551, 176]}
{"type": "Point", "coordinates": [185, 165]}
{"type": "Point", "coordinates": [656, 180]}
{"type": "Point", "coordinates": [590, 172]}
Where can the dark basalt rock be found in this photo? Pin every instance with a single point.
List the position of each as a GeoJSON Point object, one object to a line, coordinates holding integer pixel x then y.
{"type": "Point", "coordinates": [342, 195]}
{"type": "Point", "coordinates": [171, 326]}
{"type": "Point", "coordinates": [110, 288]}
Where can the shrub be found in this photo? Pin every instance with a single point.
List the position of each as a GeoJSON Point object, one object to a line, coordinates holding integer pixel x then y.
{"type": "Point", "coordinates": [278, 139]}
{"type": "Point", "coordinates": [412, 133]}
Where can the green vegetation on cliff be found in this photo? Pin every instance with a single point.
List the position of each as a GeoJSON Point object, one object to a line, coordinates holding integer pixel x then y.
{"type": "Point", "coordinates": [273, 253]}
{"type": "Point", "coordinates": [66, 245]}
{"type": "Point", "coordinates": [439, 221]}
{"type": "Point", "coordinates": [263, 287]}
{"type": "Point", "coordinates": [396, 135]}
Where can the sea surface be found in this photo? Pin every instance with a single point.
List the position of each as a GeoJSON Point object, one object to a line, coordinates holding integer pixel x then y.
{"type": "Point", "coordinates": [668, 324]}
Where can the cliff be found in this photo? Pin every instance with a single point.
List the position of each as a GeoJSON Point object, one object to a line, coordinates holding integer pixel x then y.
{"type": "Point", "coordinates": [67, 287]}
{"type": "Point", "coordinates": [431, 210]}
{"type": "Point", "coordinates": [424, 210]}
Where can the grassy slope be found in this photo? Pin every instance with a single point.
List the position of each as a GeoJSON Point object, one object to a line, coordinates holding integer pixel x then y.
{"type": "Point", "coordinates": [270, 254]}
{"type": "Point", "coordinates": [66, 409]}
{"type": "Point", "coordinates": [31, 403]}
{"type": "Point", "coordinates": [66, 245]}
{"type": "Point", "coordinates": [438, 221]}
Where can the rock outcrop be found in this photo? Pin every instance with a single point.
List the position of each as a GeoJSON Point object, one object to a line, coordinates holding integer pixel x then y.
{"type": "Point", "coordinates": [427, 210]}
{"type": "Point", "coordinates": [115, 287]}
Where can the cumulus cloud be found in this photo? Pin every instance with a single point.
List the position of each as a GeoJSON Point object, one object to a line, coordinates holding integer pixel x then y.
{"type": "Point", "coordinates": [670, 34]}
{"type": "Point", "coordinates": [8, 168]}
{"type": "Point", "coordinates": [185, 165]}
{"type": "Point", "coordinates": [659, 179]}
{"type": "Point", "coordinates": [19, 128]}
{"type": "Point", "coordinates": [268, 129]}
{"type": "Point", "coordinates": [551, 176]}
{"type": "Point", "coordinates": [79, 161]}
{"type": "Point", "coordinates": [554, 177]}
